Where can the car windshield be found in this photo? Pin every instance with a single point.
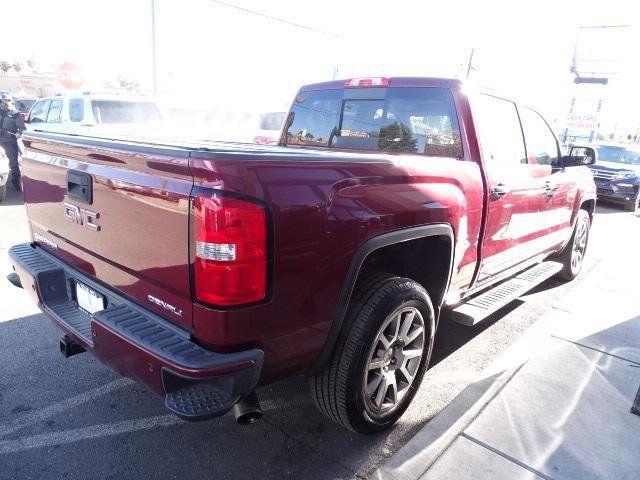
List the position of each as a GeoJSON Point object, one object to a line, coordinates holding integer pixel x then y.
{"type": "Point", "coordinates": [118, 111]}
{"type": "Point", "coordinates": [23, 105]}
{"type": "Point", "coordinates": [619, 155]}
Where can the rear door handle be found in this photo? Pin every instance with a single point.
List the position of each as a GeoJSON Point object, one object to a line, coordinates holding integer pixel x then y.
{"type": "Point", "coordinates": [499, 191]}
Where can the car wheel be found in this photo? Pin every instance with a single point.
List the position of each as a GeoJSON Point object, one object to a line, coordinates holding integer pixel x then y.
{"type": "Point", "coordinates": [572, 256]}
{"type": "Point", "coordinates": [380, 358]}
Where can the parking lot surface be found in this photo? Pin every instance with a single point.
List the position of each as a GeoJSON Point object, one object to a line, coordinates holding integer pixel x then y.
{"type": "Point", "coordinates": [75, 418]}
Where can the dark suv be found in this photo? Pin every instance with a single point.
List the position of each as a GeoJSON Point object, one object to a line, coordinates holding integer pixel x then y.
{"type": "Point", "coordinates": [616, 172]}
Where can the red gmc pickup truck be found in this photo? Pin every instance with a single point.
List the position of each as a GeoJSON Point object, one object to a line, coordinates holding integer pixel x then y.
{"type": "Point", "coordinates": [204, 270]}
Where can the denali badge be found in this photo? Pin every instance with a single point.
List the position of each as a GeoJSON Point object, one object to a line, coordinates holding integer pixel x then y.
{"type": "Point", "coordinates": [45, 241]}
{"type": "Point", "coordinates": [82, 216]}
{"type": "Point", "coordinates": [164, 305]}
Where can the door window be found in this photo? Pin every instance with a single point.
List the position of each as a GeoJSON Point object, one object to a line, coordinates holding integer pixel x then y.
{"type": "Point", "coordinates": [500, 133]}
{"type": "Point", "coordinates": [54, 111]}
{"type": "Point", "coordinates": [76, 109]}
{"type": "Point", "coordinates": [542, 147]}
{"type": "Point", "coordinates": [39, 111]}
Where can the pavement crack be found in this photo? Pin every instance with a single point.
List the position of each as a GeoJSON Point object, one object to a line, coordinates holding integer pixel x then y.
{"type": "Point", "coordinates": [506, 456]}
{"type": "Point", "coordinates": [596, 350]}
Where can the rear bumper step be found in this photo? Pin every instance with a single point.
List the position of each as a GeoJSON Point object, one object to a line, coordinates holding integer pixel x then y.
{"type": "Point", "coordinates": [480, 307]}
{"type": "Point", "coordinates": [197, 383]}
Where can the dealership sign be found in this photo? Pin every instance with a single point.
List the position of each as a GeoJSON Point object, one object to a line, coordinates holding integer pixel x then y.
{"type": "Point", "coordinates": [582, 121]}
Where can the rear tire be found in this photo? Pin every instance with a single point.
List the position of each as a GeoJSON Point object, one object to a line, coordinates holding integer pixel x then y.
{"type": "Point", "coordinates": [380, 357]}
{"type": "Point", "coordinates": [572, 255]}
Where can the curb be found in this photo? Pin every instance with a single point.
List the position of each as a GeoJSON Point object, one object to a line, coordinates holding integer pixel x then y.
{"type": "Point", "coordinates": [417, 456]}
{"type": "Point", "coordinates": [422, 451]}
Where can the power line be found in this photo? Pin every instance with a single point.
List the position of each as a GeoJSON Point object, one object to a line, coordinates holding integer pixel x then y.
{"type": "Point", "coordinates": [276, 19]}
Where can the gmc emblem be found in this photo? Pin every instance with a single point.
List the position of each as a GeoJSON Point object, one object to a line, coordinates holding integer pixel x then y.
{"type": "Point", "coordinates": [82, 216]}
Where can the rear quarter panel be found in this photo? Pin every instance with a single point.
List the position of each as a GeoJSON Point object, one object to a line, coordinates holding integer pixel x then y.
{"type": "Point", "coordinates": [323, 207]}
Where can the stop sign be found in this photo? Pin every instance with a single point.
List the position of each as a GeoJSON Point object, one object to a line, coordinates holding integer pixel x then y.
{"type": "Point", "coordinates": [70, 75]}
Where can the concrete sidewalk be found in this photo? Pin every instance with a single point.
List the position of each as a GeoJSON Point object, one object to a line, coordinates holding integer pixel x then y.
{"type": "Point", "coordinates": [557, 404]}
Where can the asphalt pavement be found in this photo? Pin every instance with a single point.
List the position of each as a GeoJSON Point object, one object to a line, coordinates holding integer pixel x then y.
{"type": "Point", "coordinates": [75, 418]}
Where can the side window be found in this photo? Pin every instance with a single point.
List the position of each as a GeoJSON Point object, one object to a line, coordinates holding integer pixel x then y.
{"type": "Point", "coordinates": [54, 111]}
{"type": "Point", "coordinates": [500, 134]}
{"type": "Point", "coordinates": [314, 117]}
{"type": "Point", "coordinates": [39, 111]}
{"type": "Point", "coordinates": [76, 109]}
{"type": "Point", "coordinates": [542, 148]}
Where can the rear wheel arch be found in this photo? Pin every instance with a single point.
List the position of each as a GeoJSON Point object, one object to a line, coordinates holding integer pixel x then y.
{"type": "Point", "coordinates": [378, 254]}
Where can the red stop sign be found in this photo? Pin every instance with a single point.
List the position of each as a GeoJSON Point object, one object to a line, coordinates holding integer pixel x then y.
{"type": "Point", "coordinates": [70, 75]}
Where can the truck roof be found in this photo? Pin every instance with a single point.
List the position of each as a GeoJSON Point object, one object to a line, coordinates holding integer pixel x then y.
{"type": "Point", "coordinates": [393, 82]}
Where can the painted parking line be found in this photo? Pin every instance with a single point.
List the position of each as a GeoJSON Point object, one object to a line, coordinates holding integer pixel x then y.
{"type": "Point", "coordinates": [86, 433]}
{"type": "Point", "coordinates": [37, 416]}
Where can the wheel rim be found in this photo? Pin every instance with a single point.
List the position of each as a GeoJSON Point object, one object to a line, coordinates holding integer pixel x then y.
{"type": "Point", "coordinates": [394, 359]}
{"type": "Point", "coordinates": [579, 245]}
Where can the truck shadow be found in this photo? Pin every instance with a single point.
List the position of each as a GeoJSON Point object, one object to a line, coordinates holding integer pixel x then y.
{"type": "Point", "coordinates": [96, 421]}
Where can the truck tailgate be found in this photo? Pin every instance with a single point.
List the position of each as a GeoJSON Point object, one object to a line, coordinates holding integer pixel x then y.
{"type": "Point", "coordinates": [120, 216]}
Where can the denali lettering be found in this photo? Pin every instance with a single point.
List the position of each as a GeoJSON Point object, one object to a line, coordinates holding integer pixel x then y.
{"type": "Point", "coordinates": [44, 240]}
{"type": "Point", "coordinates": [82, 216]}
{"type": "Point", "coordinates": [165, 305]}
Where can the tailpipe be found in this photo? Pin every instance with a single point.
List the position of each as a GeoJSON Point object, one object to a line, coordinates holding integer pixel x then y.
{"type": "Point", "coordinates": [69, 348]}
{"type": "Point", "coordinates": [247, 410]}
{"type": "Point", "coordinates": [14, 279]}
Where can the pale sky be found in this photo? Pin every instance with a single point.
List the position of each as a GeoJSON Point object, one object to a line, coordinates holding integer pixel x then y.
{"type": "Point", "coordinates": [218, 55]}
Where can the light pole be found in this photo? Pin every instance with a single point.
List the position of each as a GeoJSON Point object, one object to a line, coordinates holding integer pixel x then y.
{"type": "Point", "coordinates": [154, 58]}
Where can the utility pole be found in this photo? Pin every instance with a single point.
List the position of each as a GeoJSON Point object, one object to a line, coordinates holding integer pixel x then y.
{"type": "Point", "coordinates": [470, 65]}
{"type": "Point", "coordinates": [154, 58]}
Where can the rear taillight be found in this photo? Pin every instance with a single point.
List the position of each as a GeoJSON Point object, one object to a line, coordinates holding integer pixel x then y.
{"type": "Point", "coordinates": [230, 236]}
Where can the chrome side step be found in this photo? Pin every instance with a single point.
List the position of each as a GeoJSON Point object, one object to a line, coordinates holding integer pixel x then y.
{"type": "Point", "coordinates": [478, 308]}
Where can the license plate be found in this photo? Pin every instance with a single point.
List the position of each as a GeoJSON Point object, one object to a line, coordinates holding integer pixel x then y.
{"type": "Point", "coordinates": [89, 300]}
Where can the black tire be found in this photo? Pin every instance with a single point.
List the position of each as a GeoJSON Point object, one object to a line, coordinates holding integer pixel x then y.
{"type": "Point", "coordinates": [339, 389]}
{"type": "Point", "coordinates": [3, 192]}
{"type": "Point", "coordinates": [566, 256]}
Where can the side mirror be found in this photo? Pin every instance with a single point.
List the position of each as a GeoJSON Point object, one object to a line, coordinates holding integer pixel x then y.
{"type": "Point", "coordinates": [579, 156]}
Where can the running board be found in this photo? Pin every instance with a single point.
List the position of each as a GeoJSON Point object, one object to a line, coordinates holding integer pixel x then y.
{"type": "Point", "coordinates": [478, 308]}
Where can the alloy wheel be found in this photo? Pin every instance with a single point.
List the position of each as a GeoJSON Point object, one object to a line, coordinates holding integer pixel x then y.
{"type": "Point", "coordinates": [394, 359]}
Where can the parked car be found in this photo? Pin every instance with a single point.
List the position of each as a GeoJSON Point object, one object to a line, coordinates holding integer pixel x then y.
{"type": "Point", "coordinates": [24, 103]}
{"type": "Point", "coordinates": [206, 269]}
{"type": "Point", "coordinates": [4, 174]}
{"type": "Point", "coordinates": [616, 171]}
{"type": "Point", "coordinates": [270, 128]}
{"type": "Point", "coordinates": [69, 112]}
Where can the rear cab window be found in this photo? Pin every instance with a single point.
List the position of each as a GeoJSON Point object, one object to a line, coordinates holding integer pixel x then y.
{"type": "Point", "coordinates": [418, 120]}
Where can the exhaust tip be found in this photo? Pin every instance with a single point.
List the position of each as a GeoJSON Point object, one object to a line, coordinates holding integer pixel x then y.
{"type": "Point", "coordinates": [247, 410]}
{"type": "Point", "coordinates": [14, 279]}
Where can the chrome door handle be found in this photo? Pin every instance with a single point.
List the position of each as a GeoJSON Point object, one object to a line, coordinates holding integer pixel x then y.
{"type": "Point", "coordinates": [548, 188]}
{"type": "Point", "coordinates": [499, 191]}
